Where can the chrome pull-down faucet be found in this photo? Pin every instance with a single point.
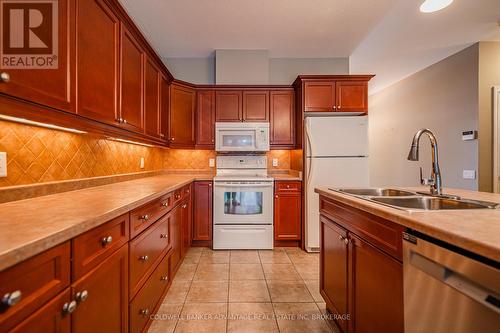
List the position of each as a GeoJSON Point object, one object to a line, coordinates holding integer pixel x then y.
{"type": "Point", "coordinates": [435, 180]}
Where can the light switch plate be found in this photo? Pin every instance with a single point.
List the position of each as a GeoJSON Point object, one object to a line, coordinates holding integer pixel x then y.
{"type": "Point", "coordinates": [142, 162]}
{"type": "Point", "coordinates": [3, 164]}
{"type": "Point", "coordinates": [275, 162]}
{"type": "Point", "coordinates": [469, 174]}
{"type": "Point", "coordinates": [211, 162]}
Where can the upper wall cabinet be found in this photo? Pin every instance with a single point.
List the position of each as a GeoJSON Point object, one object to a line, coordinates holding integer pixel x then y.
{"type": "Point", "coordinates": [97, 60]}
{"type": "Point", "coordinates": [152, 101]}
{"type": "Point", "coordinates": [228, 104]}
{"type": "Point", "coordinates": [282, 118]}
{"type": "Point", "coordinates": [49, 87]}
{"type": "Point", "coordinates": [182, 115]}
{"type": "Point", "coordinates": [205, 119]}
{"type": "Point", "coordinates": [319, 96]}
{"type": "Point", "coordinates": [256, 105]}
{"type": "Point", "coordinates": [164, 107]}
{"type": "Point", "coordinates": [131, 82]}
{"type": "Point", "coordinates": [351, 96]}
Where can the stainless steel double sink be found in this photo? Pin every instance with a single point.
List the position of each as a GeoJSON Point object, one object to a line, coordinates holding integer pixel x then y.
{"type": "Point", "coordinates": [413, 201]}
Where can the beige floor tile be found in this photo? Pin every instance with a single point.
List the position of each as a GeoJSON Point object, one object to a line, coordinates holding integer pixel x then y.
{"type": "Point", "coordinates": [215, 257]}
{"type": "Point", "coordinates": [177, 292]}
{"type": "Point", "coordinates": [274, 257]}
{"type": "Point", "coordinates": [251, 318]}
{"type": "Point", "coordinates": [244, 257]}
{"type": "Point", "coordinates": [248, 291]}
{"type": "Point", "coordinates": [192, 257]}
{"type": "Point", "coordinates": [165, 319]}
{"type": "Point", "coordinates": [280, 272]}
{"type": "Point", "coordinates": [313, 287]}
{"type": "Point", "coordinates": [212, 272]}
{"type": "Point", "coordinates": [300, 317]}
{"type": "Point", "coordinates": [309, 271]}
{"type": "Point", "coordinates": [203, 318]}
{"type": "Point", "coordinates": [246, 272]}
{"type": "Point", "coordinates": [301, 257]}
{"type": "Point", "coordinates": [185, 272]}
{"type": "Point", "coordinates": [208, 291]}
{"type": "Point", "coordinates": [197, 249]}
{"type": "Point", "coordinates": [288, 291]}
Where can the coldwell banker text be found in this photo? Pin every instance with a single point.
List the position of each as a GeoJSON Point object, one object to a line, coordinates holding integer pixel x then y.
{"type": "Point", "coordinates": [29, 32]}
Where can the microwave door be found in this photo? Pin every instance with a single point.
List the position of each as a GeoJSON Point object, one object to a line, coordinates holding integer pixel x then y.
{"type": "Point", "coordinates": [236, 140]}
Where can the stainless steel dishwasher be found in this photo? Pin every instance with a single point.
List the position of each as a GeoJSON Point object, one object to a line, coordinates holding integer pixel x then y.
{"type": "Point", "coordinates": [447, 289]}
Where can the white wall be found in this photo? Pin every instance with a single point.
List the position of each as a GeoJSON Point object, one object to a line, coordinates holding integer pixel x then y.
{"type": "Point", "coordinates": [442, 97]}
{"type": "Point", "coordinates": [194, 70]}
{"type": "Point", "coordinates": [241, 66]}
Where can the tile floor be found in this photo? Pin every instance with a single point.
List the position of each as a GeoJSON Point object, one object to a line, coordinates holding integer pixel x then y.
{"type": "Point", "coordinates": [244, 291]}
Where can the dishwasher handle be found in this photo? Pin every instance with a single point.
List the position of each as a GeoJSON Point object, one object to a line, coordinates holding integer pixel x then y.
{"type": "Point", "coordinates": [456, 281]}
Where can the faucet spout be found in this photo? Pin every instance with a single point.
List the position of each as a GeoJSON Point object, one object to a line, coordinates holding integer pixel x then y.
{"type": "Point", "coordinates": [435, 181]}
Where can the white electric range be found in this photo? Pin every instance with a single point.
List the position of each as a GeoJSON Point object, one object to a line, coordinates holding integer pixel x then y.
{"type": "Point", "coordinates": [243, 203]}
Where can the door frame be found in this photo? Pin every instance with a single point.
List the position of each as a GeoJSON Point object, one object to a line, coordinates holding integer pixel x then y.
{"type": "Point", "coordinates": [496, 139]}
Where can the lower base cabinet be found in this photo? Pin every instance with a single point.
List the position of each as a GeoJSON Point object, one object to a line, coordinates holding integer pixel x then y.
{"type": "Point", "coordinates": [176, 232]}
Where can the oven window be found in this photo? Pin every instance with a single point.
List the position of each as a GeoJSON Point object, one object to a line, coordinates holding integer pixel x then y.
{"type": "Point", "coordinates": [242, 203]}
{"type": "Point", "coordinates": [237, 140]}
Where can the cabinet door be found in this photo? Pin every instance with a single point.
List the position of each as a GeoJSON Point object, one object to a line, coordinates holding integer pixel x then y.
{"type": "Point", "coordinates": [175, 234]}
{"type": "Point", "coordinates": [352, 96]}
{"type": "Point", "coordinates": [50, 87]}
{"type": "Point", "coordinates": [282, 116]}
{"type": "Point", "coordinates": [131, 82]}
{"type": "Point", "coordinates": [105, 308]}
{"type": "Point", "coordinates": [256, 106]}
{"type": "Point", "coordinates": [152, 100]}
{"type": "Point", "coordinates": [333, 269]}
{"type": "Point", "coordinates": [49, 319]}
{"type": "Point", "coordinates": [182, 108]}
{"type": "Point", "coordinates": [186, 226]}
{"type": "Point", "coordinates": [164, 108]}
{"type": "Point", "coordinates": [319, 96]}
{"type": "Point", "coordinates": [287, 215]}
{"type": "Point", "coordinates": [377, 289]}
{"type": "Point", "coordinates": [97, 60]}
{"type": "Point", "coordinates": [228, 105]}
{"type": "Point", "coordinates": [205, 120]}
{"type": "Point", "coordinates": [202, 220]}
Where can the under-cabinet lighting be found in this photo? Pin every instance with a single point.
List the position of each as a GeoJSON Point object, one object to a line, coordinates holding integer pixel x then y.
{"type": "Point", "coordinates": [129, 141]}
{"type": "Point", "coordinates": [36, 123]}
{"type": "Point", "coordinates": [430, 6]}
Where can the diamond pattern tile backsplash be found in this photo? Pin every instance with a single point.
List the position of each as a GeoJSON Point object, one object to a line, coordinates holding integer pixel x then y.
{"type": "Point", "coordinates": [36, 154]}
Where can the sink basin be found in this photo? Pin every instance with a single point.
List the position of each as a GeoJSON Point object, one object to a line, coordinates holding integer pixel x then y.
{"type": "Point", "coordinates": [432, 203]}
{"type": "Point", "coordinates": [377, 192]}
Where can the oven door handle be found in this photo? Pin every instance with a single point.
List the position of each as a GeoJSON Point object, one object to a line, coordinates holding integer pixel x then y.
{"type": "Point", "coordinates": [243, 185]}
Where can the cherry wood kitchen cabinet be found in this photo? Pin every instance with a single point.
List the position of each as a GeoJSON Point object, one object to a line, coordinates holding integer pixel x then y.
{"type": "Point", "coordinates": [49, 87]}
{"type": "Point", "coordinates": [287, 211]}
{"type": "Point", "coordinates": [351, 96]}
{"type": "Point", "coordinates": [182, 116]}
{"type": "Point", "coordinates": [205, 119]}
{"type": "Point", "coordinates": [176, 235]}
{"type": "Point", "coordinates": [98, 37]}
{"type": "Point", "coordinates": [152, 100]}
{"type": "Point", "coordinates": [282, 119]}
{"type": "Point", "coordinates": [255, 105]}
{"type": "Point", "coordinates": [164, 107]}
{"type": "Point", "coordinates": [228, 105]}
{"type": "Point", "coordinates": [319, 96]}
{"type": "Point", "coordinates": [186, 226]}
{"type": "Point", "coordinates": [202, 213]}
{"type": "Point", "coordinates": [131, 82]}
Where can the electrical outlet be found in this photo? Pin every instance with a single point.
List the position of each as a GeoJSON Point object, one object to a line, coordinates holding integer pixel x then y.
{"type": "Point", "coordinates": [3, 164]}
{"type": "Point", "coordinates": [142, 162]}
{"type": "Point", "coordinates": [211, 162]}
{"type": "Point", "coordinates": [275, 162]}
{"type": "Point", "coordinates": [469, 174]}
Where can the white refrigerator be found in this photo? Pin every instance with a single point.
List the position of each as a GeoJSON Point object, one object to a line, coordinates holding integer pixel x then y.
{"type": "Point", "coordinates": [336, 155]}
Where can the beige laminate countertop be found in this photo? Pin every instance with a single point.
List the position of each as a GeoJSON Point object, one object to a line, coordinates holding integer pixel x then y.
{"type": "Point", "coordinates": [475, 230]}
{"type": "Point", "coordinates": [285, 176]}
{"type": "Point", "coordinates": [29, 227]}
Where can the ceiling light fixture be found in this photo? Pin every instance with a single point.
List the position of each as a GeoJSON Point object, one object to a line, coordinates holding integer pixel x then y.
{"type": "Point", "coordinates": [430, 6]}
{"type": "Point", "coordinates": [36, 123]}
{"type": "Point", "coordinates": [129, 141]}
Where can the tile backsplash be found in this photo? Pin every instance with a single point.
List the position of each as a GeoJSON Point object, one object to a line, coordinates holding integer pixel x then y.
{"type": "Point", "coordinates": [36, 155]}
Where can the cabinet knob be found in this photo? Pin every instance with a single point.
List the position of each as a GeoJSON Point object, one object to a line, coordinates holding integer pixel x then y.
{"type": "Point", "coordinates": [177, 196]}
{"type": "Point", "coordinates": [288, 186]}
{"type": "Point", "coordinates": [106, 240]}
{"type": "Point", "coordinates": [210, 184]}
{"type": "Point", "coordinates": [172, 139]}
{"type": "Point", "coordinates": [338, 107]}
{"type": "Point", "coordinates": [69, 307]}
{"type": "Point", "coordinates": [4, 77]}
{"type": "Point", "coordinates": [341, 237]}
{"type": "Point", "coordinates": [144, 217]}
{"type": "Point", "coordinates": [213, 140]}
{"type": "Point", "coordinates": [11, 299]}
{"type": "Point", "coordinates": [144, 312]}
{"type": "Point", "coordinates": [334, 107]}
{"type": "Point", "coordinates": [162, 135]}
{"type": "Point", "coordinates": [165, 204]}
{"type": "Point", "coordinates": [81, 296]}
{"type": "Point", "coordinates": [124, 121]}
{"type": "Point", "coordinates": [275, 195]}
{"type": "Point", "coordinates": [164, 278]}
{"type": "Point", "coordinates": [346, 240]}
{"type": "Point", "coordinates": [184, 206]}
{"type": "Point", "coordinates": [163, 235]}
{"type": "Point", "coordinates": [144, 258]}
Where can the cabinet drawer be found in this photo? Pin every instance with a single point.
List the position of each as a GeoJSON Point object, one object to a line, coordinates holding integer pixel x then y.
{"type": "Point", "coordinates": [36, 281]}
{"type": "Point", "coordinates": [381, 233]}
{"type": "Point", "coordinates": [144, 303]}
{"type": "Point", "coordinates": [144, 216]}
{"type": "Point", "coordinates": [94, 246]}
{"type": "Point", "coordinates": [145, 251]}
{"type": "Point", "coordinates": [186, 191]}
{"type": "Point", "coordinates": [286, 186]}
{"type": "Point", "coordinates": [177, 196]}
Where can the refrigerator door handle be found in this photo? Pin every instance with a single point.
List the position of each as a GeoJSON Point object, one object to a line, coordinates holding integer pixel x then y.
{"type": "Point", "coordinates": [308, 152]}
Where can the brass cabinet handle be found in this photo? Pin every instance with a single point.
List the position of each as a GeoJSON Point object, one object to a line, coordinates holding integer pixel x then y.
{"type": "Point", "coordinates": [4, 77]}
{"type": "Point", "coordinates": [81, 296]}
{"type": "Point", "coordinates": [334, 107]}
{"type": "Point", "coordinates": [69, 307]}
{"type": "Point", "coordinates": [164, 278]}
{"type": "Point", "coordinates": [177, 196]}
{"type": "Point", "coordinates": [162, 135]}
{"type": "Point", "coordinates": [144, 312]}
{"type": "Point", "coordinates": [172, 139]}
{"type": "Point", "coordinates": [124, 121]}
{"type": "Point", "coordinates": [184, 206]}
{"type": "Point", "coordinates": [165, 204]}
{"type": "Point", "coordinates": [163, 235]}
{"type": "Point", "coordinates": [106, 240]}
{"type": "Point", "coordinates": [275, 195]}
{"type": "Point", "coordinates": [144, 258]}
{"type": "Point", "coordinates": [144, 217]}
{"type": "Point", "coordinates": [346, 241]}
{"type": "Point", "coordinates": [11, 299]}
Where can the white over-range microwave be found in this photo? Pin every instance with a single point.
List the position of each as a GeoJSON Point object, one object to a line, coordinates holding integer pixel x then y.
{"type": "Point", "coordinates": [238, 137]}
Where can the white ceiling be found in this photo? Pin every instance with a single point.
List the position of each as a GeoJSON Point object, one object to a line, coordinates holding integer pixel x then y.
{"type": "Point", "coordinates": [287, 28]}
